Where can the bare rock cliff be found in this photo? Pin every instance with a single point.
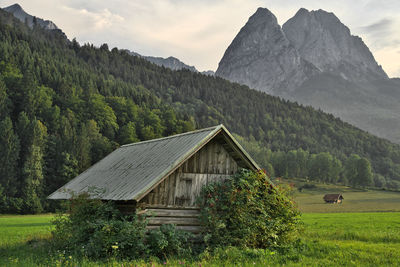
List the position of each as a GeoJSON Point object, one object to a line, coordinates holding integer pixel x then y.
{"type": "Point", "coordinates": [321, 39]}
{"type": "Point", "coordinates": [262, 57]}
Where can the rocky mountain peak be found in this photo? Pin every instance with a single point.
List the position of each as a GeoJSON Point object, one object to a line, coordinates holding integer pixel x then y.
{"type": "Point", "coordinates": [15, 7]}
{"type": "Point", "coordinates": [262, 57]}
{"type": "Point", "coordinates": [169, 62]}
{"type": "Point", "coordinates": [263, 15]}
{"type": "Point", "coordinates": [323, 40]}
{"type": "Point", "coordinates": [20, 14]}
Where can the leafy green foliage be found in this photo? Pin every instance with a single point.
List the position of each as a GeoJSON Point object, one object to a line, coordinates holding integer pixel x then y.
{"type": "Point", "coordinates": [358, 171]}
{"type": "Point", "coordinates": [168, 241]}
{"type": "Point", "coordinates": [248, 211]}
{"type": "Point", "coordinates": [98, 230]}
{"type": "Point", "coordinates": [323, 167]}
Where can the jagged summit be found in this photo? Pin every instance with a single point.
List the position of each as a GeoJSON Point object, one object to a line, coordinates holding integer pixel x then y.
{"type": "Point", "coordinates": [169, 62]}
{"type": "Point", "coordinates": [323, 40]}
{"type": "Point", "coordinates": [14, 7]}
{"type": "Point", "coordinates": [262, 57]}
{"type": "Point", "coordinates": [315, 60]}
{"type": "Point", "coordinates": [277, 60]}
{"type": "Point", "coordinates": [263, 14]}
{"type": "Point", "coordinates": [20, 14]}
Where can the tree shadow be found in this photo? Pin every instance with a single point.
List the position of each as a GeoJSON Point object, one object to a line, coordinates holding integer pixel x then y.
{"type": "Point", "coordinates": [32, 252]}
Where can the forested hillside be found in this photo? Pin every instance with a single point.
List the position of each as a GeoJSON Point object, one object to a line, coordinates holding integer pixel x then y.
{"type": "Point", "coordinates": [64, 106]}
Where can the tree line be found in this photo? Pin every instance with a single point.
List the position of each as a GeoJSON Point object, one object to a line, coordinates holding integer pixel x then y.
{"type": "Point", "coordinates": [323, 167]}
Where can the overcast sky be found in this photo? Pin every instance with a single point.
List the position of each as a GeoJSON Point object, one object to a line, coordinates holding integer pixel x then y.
{"type": "Point", "coordinates": [198, 31]}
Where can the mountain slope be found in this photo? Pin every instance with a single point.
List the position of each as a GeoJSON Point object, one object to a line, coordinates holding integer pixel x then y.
{"type": "Point", "coordinates": [321, 39]}
{"type": "Point", "coordinates": [18, 12]}
{"type": "Point", "coordinates": [24, 17]}
{"type": "Point", "coordinates": [170, 62]}
{"type": "Point", "coordinates": [341, 77]}
{"type": "Point", "coordinates": [261, 57]}
{"type": "Point", "coordinates": [353, 86]}
{"type": "Point", "coordinates": [372, 106]}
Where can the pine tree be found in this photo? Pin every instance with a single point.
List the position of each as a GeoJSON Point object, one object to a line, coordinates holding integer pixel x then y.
{"type": "Point", "coordinates": [32, 171]}
{"type": "Point", "coordinates": [9, 154]}
{"type": "Point", "coordinates": [5, 103]}
{"type": "Point", "coordinates": [127, 134]}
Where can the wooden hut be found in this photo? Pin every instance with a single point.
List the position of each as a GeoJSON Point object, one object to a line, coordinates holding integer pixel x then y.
{"type": "Point", "coordinates": [163, 176]}
{"type": "Point", "coordinates": [333, 198]}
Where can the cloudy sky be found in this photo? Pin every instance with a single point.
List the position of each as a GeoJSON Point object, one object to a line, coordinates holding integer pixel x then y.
{"type": "Point", "coordinates": [199, 31]}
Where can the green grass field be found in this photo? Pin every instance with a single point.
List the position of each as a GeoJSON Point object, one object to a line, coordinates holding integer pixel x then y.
{"type": "Point", "coordinates": [355, 200]}
{"type": "Point", "coordinates": [347, 239]}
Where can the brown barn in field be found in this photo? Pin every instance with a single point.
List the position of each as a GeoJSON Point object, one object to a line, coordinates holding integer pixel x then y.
{"type": "Point", "coordinates": [333, 198]}
{"type": "Point", "coordinates": [163, 176]}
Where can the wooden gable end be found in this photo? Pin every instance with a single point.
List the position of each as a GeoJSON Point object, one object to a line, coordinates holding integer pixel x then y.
{"type": "Point", "coordinates": [214, 161]}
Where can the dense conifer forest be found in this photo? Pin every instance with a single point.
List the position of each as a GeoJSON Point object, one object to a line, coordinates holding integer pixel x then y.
{"type": "Point", "coordinates": [64, 106]}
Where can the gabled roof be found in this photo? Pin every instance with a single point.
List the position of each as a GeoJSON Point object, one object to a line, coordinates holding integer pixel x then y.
{"type": "Point", "coordinates": [130, 171]}
{"type": "Point", "coordinates": [333, 197]}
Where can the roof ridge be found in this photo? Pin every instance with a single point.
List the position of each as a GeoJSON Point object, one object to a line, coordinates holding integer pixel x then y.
{"type": "Point", "coordinates": [175, 135]}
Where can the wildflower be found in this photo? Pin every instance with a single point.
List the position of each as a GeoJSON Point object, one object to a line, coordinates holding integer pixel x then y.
{"type": "Point", "coordinates": [114, 247]}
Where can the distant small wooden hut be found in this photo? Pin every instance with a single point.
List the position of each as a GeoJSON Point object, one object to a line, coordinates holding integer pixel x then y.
{"type": "Point", "coordinates": [163, 176]}
{"type": "Point", "coordinates": [333, 198]}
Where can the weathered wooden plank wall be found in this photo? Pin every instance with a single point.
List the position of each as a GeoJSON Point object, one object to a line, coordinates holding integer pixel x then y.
{"type": "Point", "coordinates": [182, 187]}
{"type": "Point", "coordinates": [184, 218]}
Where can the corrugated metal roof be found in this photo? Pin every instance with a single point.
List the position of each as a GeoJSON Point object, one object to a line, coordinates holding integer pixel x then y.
{"type": "Point", "coordinates": [131, 170]}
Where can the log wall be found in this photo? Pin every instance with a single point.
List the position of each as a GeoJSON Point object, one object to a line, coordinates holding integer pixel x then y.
{"type": "Point", "coordinates": [182, 187]}
{"type": "Point", "coordinates": [173, 201]}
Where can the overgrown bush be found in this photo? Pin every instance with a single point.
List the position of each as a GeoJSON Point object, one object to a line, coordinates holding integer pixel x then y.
{"type": "Point", "coordinates": [246, 210]}
{"type": "Point", "coordinates": [97, 230]}
{"type": "Point", "coordinates": [168, 241]}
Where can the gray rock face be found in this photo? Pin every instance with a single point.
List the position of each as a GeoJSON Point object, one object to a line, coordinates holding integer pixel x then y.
{"type": "Point", "coordinates": [208, 72]}
{"type": "Point", "coordinates": [262, 57]}
{"type": "Point", "coordinates": [324, 41]}
{"type": "Point", "coordinates": [314, 60]}
{"type": "Point", "coordinates": [169, 62]}
{"type": "Point", "coordinates": [20, 14]}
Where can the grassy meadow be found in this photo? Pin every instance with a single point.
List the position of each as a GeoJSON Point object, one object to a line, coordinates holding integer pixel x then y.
{"type": "Point", "coordinates": [349, 239]}
{"type": "Point", "coordinates": [333, 234]}
{"type": "Point", "coordinates": [355, 200]}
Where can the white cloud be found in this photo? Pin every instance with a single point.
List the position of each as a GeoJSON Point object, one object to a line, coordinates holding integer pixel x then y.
{"type": "Point", "coordinates": [198, 32]}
